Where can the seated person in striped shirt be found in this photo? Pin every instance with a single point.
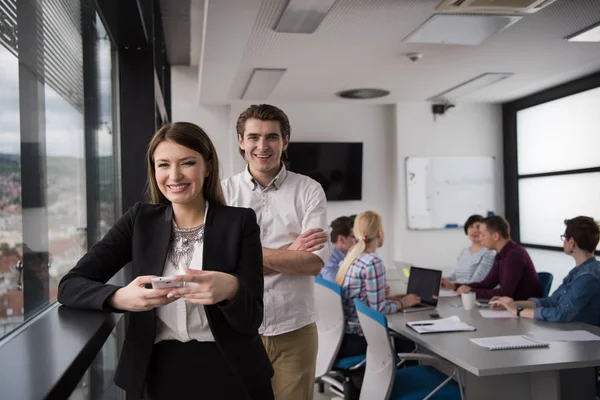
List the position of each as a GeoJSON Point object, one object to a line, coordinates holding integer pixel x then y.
{"type": "Point", "coordinates": [342, 237]}
{"type": "Point", "coordinates": [513, 274]}
{"type": "Point", "coordinates": [362, 276]}
{"type": "Point", "coordinates": [474, 262]}
{"type": "Point", "coordinates": [578, 298]}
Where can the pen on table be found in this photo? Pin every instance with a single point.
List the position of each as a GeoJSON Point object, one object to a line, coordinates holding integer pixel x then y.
{"type": "Point", "coordinates": [429, 323]}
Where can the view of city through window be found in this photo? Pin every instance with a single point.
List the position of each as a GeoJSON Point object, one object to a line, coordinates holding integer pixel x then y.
{"type": "Point", "coordinates": [62, 212]}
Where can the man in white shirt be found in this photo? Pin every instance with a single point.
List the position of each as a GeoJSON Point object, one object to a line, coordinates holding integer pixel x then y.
{"type": "Point", "coordinates": [291, 212]}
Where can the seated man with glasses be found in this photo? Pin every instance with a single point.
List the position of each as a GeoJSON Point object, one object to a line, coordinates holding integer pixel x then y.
{"type": "Point", "coordinates": [578, 298]}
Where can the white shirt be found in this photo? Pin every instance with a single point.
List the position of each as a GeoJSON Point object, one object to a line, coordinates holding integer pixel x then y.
{"type": "Point", "coordinates": [289, 205]}
{"type": "Point", "coordinates": [180, 320]}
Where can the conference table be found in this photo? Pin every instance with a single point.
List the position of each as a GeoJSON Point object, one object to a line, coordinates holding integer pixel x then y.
{"type": "Point", "coordinates": [564, 370]}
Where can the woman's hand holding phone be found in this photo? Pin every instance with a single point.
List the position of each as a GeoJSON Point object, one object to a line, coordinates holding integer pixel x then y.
{"type": "Point", "coordinates": [136, 297]}
{"type": "Point", "coordinates": [206, 287]}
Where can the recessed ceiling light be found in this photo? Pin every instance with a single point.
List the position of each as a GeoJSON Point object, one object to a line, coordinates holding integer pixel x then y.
{"type": "Point", "coordinates": [303, 16]}
{"type": "Point", "coordinates": [261, 83]}
{"type": "Point", "coordinates": [469, 86]}
{"type": "Point", "coordinates": [460, 29]}
{"type": "Point", "coordinates": [589, 34]}
{"type": "Point", "coordinates": [363, 93]}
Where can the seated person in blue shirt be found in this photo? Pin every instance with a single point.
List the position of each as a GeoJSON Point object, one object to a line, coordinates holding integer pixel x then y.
{"type": "Point", "coordinates": [578, 298]}
{"type": "Point", "coordinates": [474, 262]}
{"type": "Point", "coordinates": [342, 238]}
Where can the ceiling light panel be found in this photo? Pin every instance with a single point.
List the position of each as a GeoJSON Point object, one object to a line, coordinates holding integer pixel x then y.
{"type": "Point", "coordinates": [303, 16]}
{"type": "Point", "coordinates": [469, 87]}
{"type": "Point", "coordinates": [589, 34]}
{"type": "Point", "coordinates": [261, 83]}
{"type": "Point", "coordinates": [460, 29]}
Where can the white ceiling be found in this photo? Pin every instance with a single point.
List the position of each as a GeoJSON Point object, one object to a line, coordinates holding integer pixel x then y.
{"type": "Point", "coordinates": [359, 44]}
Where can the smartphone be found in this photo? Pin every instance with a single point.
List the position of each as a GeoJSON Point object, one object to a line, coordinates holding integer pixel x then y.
{"type": "Point", "coordinates": [165, 282]}
{"type": "Point", "coordinates": [482, 303]}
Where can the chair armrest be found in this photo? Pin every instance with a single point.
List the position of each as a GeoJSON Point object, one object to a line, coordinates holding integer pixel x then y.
{"type": "Point", "coordinates": [419, 356]}
{"type": "Point", "coordinates": [360, 364]}
{"type": "Point", "coordinates": [333, 382]}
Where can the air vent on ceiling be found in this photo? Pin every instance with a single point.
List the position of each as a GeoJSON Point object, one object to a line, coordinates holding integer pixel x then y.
{"type": "Point", "coordinates": [363, 93]}
{"type": "Point", "coordinates": [493, 6]}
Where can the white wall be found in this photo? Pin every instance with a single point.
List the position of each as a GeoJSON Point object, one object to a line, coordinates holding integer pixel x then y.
{"type": "Point", "coordinates": [371, 124]}
{"type": "Point", "coordinates": [470, 130]}
{"type": "Point", "coordinates": [213, 119]}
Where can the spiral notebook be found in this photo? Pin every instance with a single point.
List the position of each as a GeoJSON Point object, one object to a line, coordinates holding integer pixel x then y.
{"type": "Point", "coordinates": [508, 342]}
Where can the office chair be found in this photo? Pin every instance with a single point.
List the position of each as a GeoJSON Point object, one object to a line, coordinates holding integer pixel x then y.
{"type": "Point", "coordinates": [384, 381]}
{"type": "Point", "coordinates": [330, 327]}
{"type": "Point", "coordinates": [546, 279]}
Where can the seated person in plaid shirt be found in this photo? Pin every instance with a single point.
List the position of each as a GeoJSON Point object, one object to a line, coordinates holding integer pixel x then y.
{"type": "Point", "coordinates": [362, 276]}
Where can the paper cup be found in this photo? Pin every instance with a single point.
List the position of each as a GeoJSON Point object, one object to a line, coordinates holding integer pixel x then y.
{"type": "Point", "coordinates": [468, 300]}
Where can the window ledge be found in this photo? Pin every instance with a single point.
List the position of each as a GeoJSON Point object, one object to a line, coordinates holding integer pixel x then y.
{"type": "Point", "coordinates": [48, 358]}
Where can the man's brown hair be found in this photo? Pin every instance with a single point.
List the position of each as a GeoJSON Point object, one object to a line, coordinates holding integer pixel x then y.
{"type": "Point", "coordinates": [497, 224]}
{"type": "Point", "coordinates": [264, 112]}
{"type": "Point", "coordinates": [585, 232]}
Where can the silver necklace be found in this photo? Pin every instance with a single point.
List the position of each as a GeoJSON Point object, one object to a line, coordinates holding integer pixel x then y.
{"type": "Point", "coordinates": [182, 244]}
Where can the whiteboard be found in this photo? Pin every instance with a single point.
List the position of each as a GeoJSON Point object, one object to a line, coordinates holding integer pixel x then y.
{"type": "Point", "coordinates": [442, 192]}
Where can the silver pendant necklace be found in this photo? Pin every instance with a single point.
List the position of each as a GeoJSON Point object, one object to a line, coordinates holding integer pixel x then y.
{"type": "Point", "coordinates": [182, 244]}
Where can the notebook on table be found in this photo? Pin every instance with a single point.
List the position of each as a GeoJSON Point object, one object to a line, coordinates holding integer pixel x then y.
{"type": "Point", "coordinates": [508, 342]}
{"type": "Point", "coordinates": [450, 324]}
{"type": "Point", "coordinates": [424, 283]}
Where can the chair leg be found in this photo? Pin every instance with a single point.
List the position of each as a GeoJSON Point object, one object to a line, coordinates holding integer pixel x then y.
{"type": "Point", "coordinates": [350, 392]}
{"type": "Point", "coordinates": [321, 386]}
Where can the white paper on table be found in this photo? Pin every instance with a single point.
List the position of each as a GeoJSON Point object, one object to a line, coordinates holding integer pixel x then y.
{"type": "Point", "coordinates": [447, 293]}
{"type": "Point", "coordinates": [563, 336]}
{"type": "Point", "coordinates": [507, 342]}
{"type": "Point", "coordinates": [449, 324]}
{"type": "Point", "coordinates": [496, 314]}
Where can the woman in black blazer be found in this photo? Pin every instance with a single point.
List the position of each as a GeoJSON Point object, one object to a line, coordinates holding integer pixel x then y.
{"type": "Point", "coordinates": [196, 342]}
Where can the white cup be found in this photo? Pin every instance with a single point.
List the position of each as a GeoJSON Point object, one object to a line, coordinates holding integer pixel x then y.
{"type": "Point", "coordinates": [468, 300]}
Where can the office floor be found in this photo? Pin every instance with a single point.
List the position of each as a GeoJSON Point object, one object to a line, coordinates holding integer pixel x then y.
{"type": "Point", "coordinates": [323, 396]}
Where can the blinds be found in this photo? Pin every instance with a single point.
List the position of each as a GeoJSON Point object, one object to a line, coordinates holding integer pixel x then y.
{"type": "Point", "coordinates": [60, 44]}
{"type": "Point", "coordinates": [8, 25]}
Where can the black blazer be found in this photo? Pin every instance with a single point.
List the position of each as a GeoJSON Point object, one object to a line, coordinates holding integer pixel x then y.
{"type": "Point", "coordinates": [141, 236]}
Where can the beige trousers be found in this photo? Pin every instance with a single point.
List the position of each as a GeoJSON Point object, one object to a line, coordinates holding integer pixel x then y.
{"type": "Point", "coordinates": [294, 359]}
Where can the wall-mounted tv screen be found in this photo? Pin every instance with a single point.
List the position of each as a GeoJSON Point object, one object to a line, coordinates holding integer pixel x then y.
{"type": "Point", "coordinates": [336, 166]}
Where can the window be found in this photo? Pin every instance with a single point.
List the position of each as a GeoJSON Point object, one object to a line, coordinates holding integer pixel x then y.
{"type": "Point", "coordinates": [545, 132]}
{"type": "Point", "coordinates": [552, 171]}
{"type": "Point", "coordinates": [58, 168]}
{"type": "Point", "coordinates": [545, 202]}
{"type": "Point", "coordinates": [11, 228]}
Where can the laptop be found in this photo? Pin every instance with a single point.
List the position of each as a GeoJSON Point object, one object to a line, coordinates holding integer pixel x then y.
{"type": "Point", "coordinates": [424, 283]}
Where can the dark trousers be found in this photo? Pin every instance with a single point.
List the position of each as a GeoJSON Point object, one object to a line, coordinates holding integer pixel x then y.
{"type": "Point", "coordinates": [356, 345]}
{"type": "Point", "coordinates": [192, 370]}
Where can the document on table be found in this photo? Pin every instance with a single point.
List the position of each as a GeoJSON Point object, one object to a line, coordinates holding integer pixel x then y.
{"type": "Point", "coordinates": [508, 342]}
{"type": "Point", "coordinates": [563, 336]}
{"type": "Point", "coordinates": [450, 324]}
{"type": "Point", "coordinates": [496, 314]}
{"type": "Point", "coordinates": [447, 293]}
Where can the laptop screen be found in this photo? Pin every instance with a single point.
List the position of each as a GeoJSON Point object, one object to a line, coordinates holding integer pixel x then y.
{"type": "Point", "coordinates": [425, 283]}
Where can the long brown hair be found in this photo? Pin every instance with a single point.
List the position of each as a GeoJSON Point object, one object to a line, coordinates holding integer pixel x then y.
{"type": "Point", "coordinates": [366, 227]}
{"type": "Point", "coordinates": [193, 137]}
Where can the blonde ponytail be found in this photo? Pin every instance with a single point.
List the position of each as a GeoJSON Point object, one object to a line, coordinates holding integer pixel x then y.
{"type": "Point", "coordinates": [366, 227]}
{"type": "Point", "coordinates": [354, 252]}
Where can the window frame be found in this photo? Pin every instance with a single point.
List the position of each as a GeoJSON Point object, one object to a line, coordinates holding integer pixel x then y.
{"type": "Point", "coordinates": [510, 158]}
